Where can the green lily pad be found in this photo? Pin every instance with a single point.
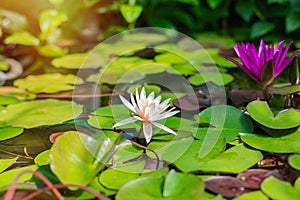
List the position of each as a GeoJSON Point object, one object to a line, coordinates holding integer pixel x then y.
{"type": "Point", "coordinates": [48, 83]}
{"type": "Point", "coordinates": [7, 177]}
{"type": "Point", "coordinates": [51, 51]}
{"type": "Point", "coordinates": [80, 60]}
{"type": "Point", "coordinates": [6, 100]}
{"type": "Point", "coordinates": [5, 163]}
{"type": "Point", "coordinates": [169, 58]}
{"type": "Point", "coordinates": [294, 161]}
{"type": "Point", "coordinates": [215, 77]}
{"type": "Point", "coordinates": [257, 195]}
{"type": "Point", "coordinates": [220, 60]}
{"type": "Point", "coordinates": [283, 144]}
{"type": "Point", "coordinates": [222, 162]}
{"type": "Point", "coordinates": [126, 152]}
{"type": "Point", "coordinates": [131, 12]}
{"type": "Point", "coordinates": [278, 189]}
{"type": "Point", "coordinates": [227, 121]}
{"type": "Point", "coordinates": [18, 93]}
{"type": "Point", "coordinates": [41, 112]}
{"type": "Point", "coordinates": [9, 132]}
{"type": "Point", "coordinates": [87, 157]}
{"type": "Point", "coordinates": [261, 112]}
{"type": "Point", "coordinates": [115, 178]}
{"type": "Point", "coordinates": [184, 69]}
{"type": "Point", "coordinates": [170, 187]}
{"type": "Point", "coordinates": [43, 158]}
{"type": "Point", "coordinates": [148, 87]}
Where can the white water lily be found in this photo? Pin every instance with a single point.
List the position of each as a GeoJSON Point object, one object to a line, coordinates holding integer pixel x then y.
{"type": "Point", "coordinates": [148, 110]}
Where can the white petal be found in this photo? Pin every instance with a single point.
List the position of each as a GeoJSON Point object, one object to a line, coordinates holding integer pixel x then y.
{"type": "Point", "coordinates": [125, 121]}
{"type": "Point", "coordinates": [127, 104]}
{"type": "Point", "coordinates": [164, 115]}
{"type": "Point", "coordinates": [157, 100]}
{"type": "Point", "coordinates": [147, 128]}
{"type": "Point", "coordinates": [150, 96]}
{"type": "Point", "coordinates": [138, 118]}
{"type": "Point", "coordinates": [164, 128]}
{"type": "Point", "coordinates": [143, 94]}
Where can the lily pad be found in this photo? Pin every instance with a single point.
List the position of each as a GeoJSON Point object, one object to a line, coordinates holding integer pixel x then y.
{"type": "Point", "coordinates": [257, 195]}
{"type": "Point", "coordinates": [18, 93]}
{"type": "Point", "coordinates": [7, 177]}
{"type": "Point", "coordinates": [42, 158]}
{"type": "Point", "coordinates": [48, 83]}
{"type": "Point", "coordinates": [89, 156]}
{"type": "Point", "coordinates": [41, 112]}
{"type": "Point", "coordinates": [6, 100]}
{"type": "Point", "coordinates": [283, 144]}
{"type": "Point", "coordinates": [277, 189]}
{"type": "Point", "coordinates": [23, 38]}
{"type": "Point", "coordinates": [5, 163]}
{"type": "Point", "coordinates": [159, 188]}
{"type": "Point", "coordinates": [215, 77]}
{"type": "Point", "coordinates": [285, 119]}
{"type": "Point", "coordinates": [115, 178]}
{"type": "Point", "coordinates": [9, 132]}
{"type": "Point", "coordinates": [221, 162]}
{"type": "Point", "coordinates": [227, 121]}
{"type": "Point", "coordinates": [294, 161]}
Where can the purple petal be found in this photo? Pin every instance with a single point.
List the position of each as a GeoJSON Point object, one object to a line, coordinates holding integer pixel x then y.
{"type": "Point", "coordinates": [285, 64]}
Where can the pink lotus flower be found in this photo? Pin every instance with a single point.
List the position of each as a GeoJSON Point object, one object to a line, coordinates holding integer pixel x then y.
{"type": "Point", "coordinates": [254, 62]}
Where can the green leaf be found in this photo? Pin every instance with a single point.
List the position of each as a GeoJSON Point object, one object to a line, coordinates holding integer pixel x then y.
{"type": "Point", "coordinates": [222, 162]}
{"type": "Point", "coordinates": [226, 121]}
{"type": "Point", "coordinates": [294, 161]}
{"type": "Point", "coordinates": [5, 163]}
{"type": "Point", "coordinates": [89, 156]}
{"type": "Point", "coordinates": [49, 20]}
{"type": "Point", "coordinates": [42, 158]}
{"type": "Point", "coordinates": [131, 12]}
{"type": "Point", "coordinates": [159, 189]}
{"type": "Point", "coordinates": [7, 177]}
{"type": "Point", "coordinates": [292, 23]}
{"type": "Point", "coordinates": [261, 112]}
{"type": "Point", "coordinates": [214, 3]}
{"type": "Point", "coordinates": [116, 178]}
{"type": "Point", "coordinates": [9, 132]}
{"type": "Point", "coordinates": [23, 38]}
{"type": "Point", "coordinates": [6, 100]}
{"type": "Point", "coordinates": [79, 60]}
{"type": "Point", "coordinates": [4, 66]}
{"type": "Point", "coordinates": [257, 195]}
{"type": "Point", "coordinates": [277, 189]}
{"type": "Point", "coordinates": [41, 112]}
{"type": "Point", "coordinates": [215, 77]}
{"type": "Point", "coordinates": [283, 144]}
{"type": "Point", "coordinates": [18, 93]}
{"type": "Point", "coordinates": [48, 83]}
{"type": "Point", "coordinates": [245, 9]}
{"type": "Point", "coordinates": [51, 51]}
{"type": "Point", "coordinates": [170, 58]}
{"type": "Point", "coordinates": [261, 28]}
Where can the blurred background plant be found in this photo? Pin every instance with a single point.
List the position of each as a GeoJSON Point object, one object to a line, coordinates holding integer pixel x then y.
{"type": "Point", "coordinates": [34, 33]}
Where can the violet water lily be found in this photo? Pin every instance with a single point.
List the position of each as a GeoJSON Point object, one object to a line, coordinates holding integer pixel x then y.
{"type": "Point", "coordinates": [254, 61]}
{"type": "Point", "coordinates": [148, 110]}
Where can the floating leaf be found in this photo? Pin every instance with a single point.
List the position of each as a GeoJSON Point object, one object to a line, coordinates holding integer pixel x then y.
{"type": "Point", "coordinates": [41, 112]}
{"type": "Point", "coordinates": [89, 156]}
{"type": "Point", "coordinates": [189, 161]}
{"type": "Point", "coordinates": [284, 90]}
{"type": "Point", "coordinates": [18, 93]}
{"type": "Point", "coordinates": [277, 189]}
{"type": "Point", "coordinates": [215, 77]}
{"type": "Point", "coordinates": [23, 38]}
{"type": "Point", "coordinates": [159, 188]}
{"type": "Point", "coordinates": [261, 112]}
{"type": "Point", "coordinates": [48, 83]}
{"type": "Point", "coordinates": [9, 132]}
{"type": "Point", "coordinates": [283, 144]}
{"type": "Point", "coordinates": [6, 100]}
{"type": "Point", "coordinates": [294, 161]}
{"type": "Point", "coordinates": [115, 178]}
{"type": "Point", "coordinates": [5, 163]}
{"type": "Point", "coordinates": [80, 60]}
{"type": "Point", "coordinates": [42, 158]}
{"type": "Point", "coordinates": [227, 121]}
{"type": "Point", "coordinates": [51, 51]}
{"type": "Point", "coordinates": [169, 58]}
{"type": "Point", "coordinates": [257, 195]}
{"type": "Point", "coordinates": [7, 177]}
